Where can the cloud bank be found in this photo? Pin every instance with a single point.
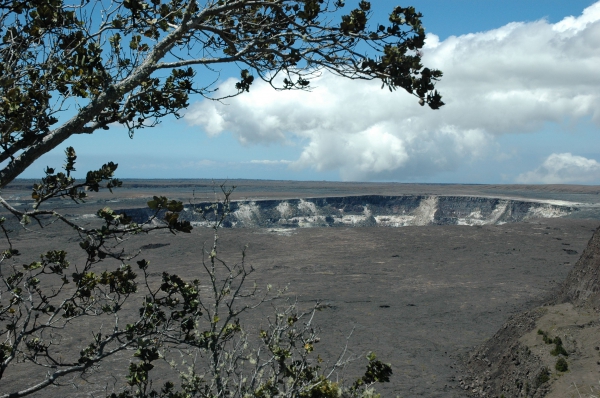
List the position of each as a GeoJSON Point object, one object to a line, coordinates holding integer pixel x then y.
{"type": "Point", "coordinates": [562, 168]}
{"type": "Point", "coordinates": [510, 80]}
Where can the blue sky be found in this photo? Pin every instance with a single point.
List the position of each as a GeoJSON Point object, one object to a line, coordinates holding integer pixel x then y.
{"type": "Point", "coordinates": [523, 106]}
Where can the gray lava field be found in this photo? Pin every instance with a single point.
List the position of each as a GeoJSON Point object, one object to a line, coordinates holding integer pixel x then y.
{"type": "Point", "coordinates": [420, 274]}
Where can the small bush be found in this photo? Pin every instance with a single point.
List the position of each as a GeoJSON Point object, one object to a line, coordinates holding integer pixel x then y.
{"type": "Point", "coordinates": [542, 377]}
{"type": "Point", "coordinates": [561, 365]}
{"type": "Point", "coordinates": [558, 349]}
{"type": "Point", "coordinates": [544, 335]}
{"type": "Point", "coordinates": [557, 340]}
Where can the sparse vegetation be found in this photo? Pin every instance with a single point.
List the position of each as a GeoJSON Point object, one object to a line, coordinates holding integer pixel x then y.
{"type": "Point", "coordinates": [545, 337]}
{"type": "Point", "coordinates": [542, 377]}
{"type": "Point", "coordinates": [558, 349]}
{"type": "Point", "coordinates": [561, 365]}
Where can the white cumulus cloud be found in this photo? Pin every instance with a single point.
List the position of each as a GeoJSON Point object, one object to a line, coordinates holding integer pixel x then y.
{"type": "Point", "coordinates": [563, 168]}
{"type": "Point", "coordinates": [510, 80]}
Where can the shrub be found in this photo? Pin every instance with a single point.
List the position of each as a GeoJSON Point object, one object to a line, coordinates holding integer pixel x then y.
{"type": "Point", "coordinates": [561, 365]}
{"type": "Point", "coordinates": [558, 349]}
{"type": "Point", "coordinates": [542, 377]}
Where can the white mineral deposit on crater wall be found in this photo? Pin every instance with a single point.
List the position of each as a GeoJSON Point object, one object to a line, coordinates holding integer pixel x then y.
{"type": "Point", "coordinates": [425, 213]}
{"type": "Point", "coordinates": [307, 221]}
{"type": "Point", "coordinates": [395, 220]}
{"type": "Point", "coordinates": [477, 218]}
{"type": "Point", "coordinates": [351, 219]}
{"type": "Point", "coordinates": [545, 211]}
{"type": "Point", "coordinates": [284, 209]}
{"type": "Point", "coordinates": [499, 211]}
{"type": "Point", "coordinates": [246, 212]}
{"type": "Point", "coordinates": [367, 211]}
{"type": "Point", "coordinates": [308, 207]}
{"type": "Point", "coordinates": [197, 224]}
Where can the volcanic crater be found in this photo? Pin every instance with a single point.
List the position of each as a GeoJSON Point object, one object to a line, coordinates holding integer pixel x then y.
{"type": "Point", "coordinates": [430, 298]}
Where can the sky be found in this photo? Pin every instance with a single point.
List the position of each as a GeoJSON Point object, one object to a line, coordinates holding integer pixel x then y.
{"type": "Point", "coordinates": [521, 86]}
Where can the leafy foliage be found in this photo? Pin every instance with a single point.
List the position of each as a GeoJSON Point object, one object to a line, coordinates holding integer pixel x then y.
{"type": "Point", "coordinates": [561, 365]}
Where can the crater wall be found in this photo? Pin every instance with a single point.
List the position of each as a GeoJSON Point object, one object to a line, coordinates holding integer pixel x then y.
{"type": "Point", "coordinates": [376, 210]}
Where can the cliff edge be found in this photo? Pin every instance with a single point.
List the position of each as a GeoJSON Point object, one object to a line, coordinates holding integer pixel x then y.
{"type": "Point", "coordinates": [550, 351]}
{"type": "Point", "coordinates": [582, 286]}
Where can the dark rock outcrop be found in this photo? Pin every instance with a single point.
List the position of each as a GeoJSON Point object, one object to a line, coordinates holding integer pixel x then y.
{"type": "Point", "coordinates": [582, 286]}
{"type": "Point", "coordinates": [503, 366]}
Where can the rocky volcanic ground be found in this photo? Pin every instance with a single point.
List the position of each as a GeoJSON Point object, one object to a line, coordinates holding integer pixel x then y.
{"type": "Point", "coordinates": [421, 297]}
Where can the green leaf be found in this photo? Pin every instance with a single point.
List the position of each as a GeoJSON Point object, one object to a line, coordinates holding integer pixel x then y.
{"type": "Point", "coordinates": [32, 266]}
{"type": "Point", "coordinates": [143, 264]}
{"type": "Point", "coordinates": [175, 206]}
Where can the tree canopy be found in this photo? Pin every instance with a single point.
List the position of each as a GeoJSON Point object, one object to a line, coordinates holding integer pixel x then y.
{"type": "Point", "coordinates": [75, 67]}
